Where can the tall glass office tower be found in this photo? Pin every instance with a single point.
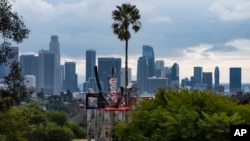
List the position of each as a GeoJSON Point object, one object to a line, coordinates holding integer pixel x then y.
{"type": "Point", "coordinates": [46, 68]}
{"type": "Point", "coordinates": [104, 70]}
{"type": "Point", "coordinates": [198, 75]}
{"type": "Point", "coordinates": [207, 78]}
{"type": "Point", "coordinates": [148, 53]}
{"type": "Point", "coordinates": [90, 63]}
{"type": "Point", "coordinates": [142, 74]}
{"type": "Point", "coordinates": [29, 64]}
{"type": "Point", "coordinates": [54, 46]}
{"type": "Point", "coordinates": [175, 75]}
{"type": "Point", "coordinates": [159, 68]}
{"type": "Point", "coordinates": [216, 78]}
{"type": "Point", "coordinates": [70, 76]}
{"type": "Point", "coordinates": [235, 80]}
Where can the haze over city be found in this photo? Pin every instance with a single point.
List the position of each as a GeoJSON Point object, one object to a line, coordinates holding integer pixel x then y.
{"type": "Point", "coordinates": [206, 33]}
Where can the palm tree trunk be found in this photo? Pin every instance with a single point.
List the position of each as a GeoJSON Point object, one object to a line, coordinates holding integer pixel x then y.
{"type": "Point", "coordinates": [126, 73]}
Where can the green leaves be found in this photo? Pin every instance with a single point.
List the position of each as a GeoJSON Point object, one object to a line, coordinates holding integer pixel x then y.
{"type": "Point", "coordinates": [184, 115]}
{"type": "Point", "coordinates": [124, 16]}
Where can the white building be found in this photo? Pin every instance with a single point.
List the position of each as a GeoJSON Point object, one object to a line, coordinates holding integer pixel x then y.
{"type": "Point", "coordinates": [30, 81]}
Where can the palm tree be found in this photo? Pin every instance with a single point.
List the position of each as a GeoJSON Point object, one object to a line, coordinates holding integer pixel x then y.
{"type": "Point", "coordinates": [124, 16]}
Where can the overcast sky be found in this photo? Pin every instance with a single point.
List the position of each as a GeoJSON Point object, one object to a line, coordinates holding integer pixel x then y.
{"type": "Point", "coordinates": [206, 33]}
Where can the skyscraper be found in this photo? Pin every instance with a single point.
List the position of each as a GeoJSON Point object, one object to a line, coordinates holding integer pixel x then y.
{"type": "Point", "coordinates": [148, 53]}
{"type": "Point", "coordinates": [198, 75]}
{"type": "Point", "coordinates": [46, 71]}
{"type": "Point", "coordinates": [235, 80]}
{"type": "Point", "coordinates": [142, 74]}
{"type": "Point", "coordinates": [123, 76]}
{"type": "Point", "coordinates": [104, 70]}
{"type": "Point", "coordinates": [70, 76]}
{"type": "Point", "coordinates": [175, 75]}
{"type": "Point", "coordinates": [29, 64]}
{"type": "Point", "coordinates": [168, 74]}
{"type": "Point", "coordinates": [216, 78]}
{"type": "Point", "coordinates": [159, 68]}
{"type": "Point", "coordinates": [207, 79]}
{"type": "Point", "coordinates": [90, 63]}
{"type": "Point", "coordinates": [54, 46]}
{"type": "Point", "coordinates": [7, 68]}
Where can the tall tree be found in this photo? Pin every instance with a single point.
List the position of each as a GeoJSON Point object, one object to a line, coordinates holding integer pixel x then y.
{"type": "Point", "coordinates": [124, 16]}
{"type": "Point", "coordinates": [12, 29]}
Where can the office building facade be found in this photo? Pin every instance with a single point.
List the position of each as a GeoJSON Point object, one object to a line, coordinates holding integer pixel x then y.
{"type": "Point", "coordinates": [70, 80]}
{"type": "Point", "coordinates": [46, 71]}
{"type": "Point", "coordinates": [90, 63]}
{"type": "Point", "coordinates": [54, 46]}
{"type": "Point", "coordinates": [235, 79]}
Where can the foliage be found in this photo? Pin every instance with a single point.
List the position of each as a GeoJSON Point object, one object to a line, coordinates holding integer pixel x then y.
{"type": "Point", "coordinates": [55, 103]}
{"type": "Point", "coordinates": [31, 123]}
{"type": "Point", "coordinates": [183, 115]}
{"type": "Point", "coordinates": [12, 28]}
{"type": "Point", "coordinates": [13, 123]}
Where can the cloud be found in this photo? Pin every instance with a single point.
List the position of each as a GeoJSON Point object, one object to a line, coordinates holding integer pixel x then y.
{"type": "Point", "coordinates": [222, 48]}
{"type": "Point", "coordinates": [161, 19]}
{"type": "Point", "coordinates": [231, 10]}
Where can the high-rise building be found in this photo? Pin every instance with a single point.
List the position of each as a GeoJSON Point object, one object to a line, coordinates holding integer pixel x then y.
{"type": "Point", "coordinates": [155, 83]}
{"type": "Point", "coordinates": [198, 75]}
{"type": "Point", "coordinates": [159, 68]}
{"type": "Point", "coordinates": [7, 68]}
{"type": "Point", "coordinates": [104, 70]}
{"type": "Point", "coordinates": [235, 79]}
{"type": "Point", "coordinates": [46, 71]}
{"type": "Point", "coordinates": [168, 74]}
{"type": "Point", "coordinates": [123, 76]}
{"type": "Point", "coordinates": [216, 78]}
{"type": "Point", "coordinates": [207, 79]}
{"type": "Point", "coordinates": [175, 75]}
{"type": "Point", "coordinates": [148, 53]}
{"type": "Point", "coordinates": [90, 63]}
{"type": "Point", "coordinates": [29, 65]}
{"type": "Point", "coordinates": [70, 77]}
{"type": "Point", "coordinates": [142, 74]}
{"type": "Point", "coordinates": [54, 46]}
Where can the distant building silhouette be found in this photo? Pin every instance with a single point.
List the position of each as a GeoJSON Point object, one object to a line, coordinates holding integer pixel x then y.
{"type": "Point", "coordinates": [198, 75]}
{"type": "Point", "coordinates": [175, 75]}
{"type": "Point", "coordinates": [235, 79]}
{"type": "Point", "coordinates": [46, 71]}
{"type": "Point", "coordinates": [104, 70]}
{"type": "Point", "coordinates": [142, 74]}
{"type": "Point", "coordinates": [123, 76]}
{"type": "Point", "coordinates": [70, 80]}
{"type": "Point", "coordinates": [148, 53]}
{"type": "Point", "coordinates": [90, 63]}
{"type": "Point", "coordinates": [168, 74]}
{"type": "Point", "coordinates": [29, 65]}
{"type": "Point", "coordinates": [216, 78]}
{"type": "Point", "coordinates": [159, 68]}
{"type": "Point", "coordinates": [7, 65]}
{"type": "Point", "coordinates": [54, 46]}
{"type": "Point", "coordinates": [155, 83]}
{"type": "Point", "coordinates": [207, 79]}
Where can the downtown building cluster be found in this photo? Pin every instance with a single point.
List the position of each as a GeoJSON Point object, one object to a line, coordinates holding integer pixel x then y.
{"type": "Point", "coordinates": [44, 73]}
{"type": "Point", "coordinates": [153, 74]}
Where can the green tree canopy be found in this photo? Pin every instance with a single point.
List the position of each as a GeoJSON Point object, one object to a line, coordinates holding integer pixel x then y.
{"type": "Point", "coordinates": [183, 115]}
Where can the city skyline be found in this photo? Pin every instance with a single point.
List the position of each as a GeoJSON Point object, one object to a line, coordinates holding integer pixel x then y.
{"type": "Point", "coordinates": [217, 36]}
